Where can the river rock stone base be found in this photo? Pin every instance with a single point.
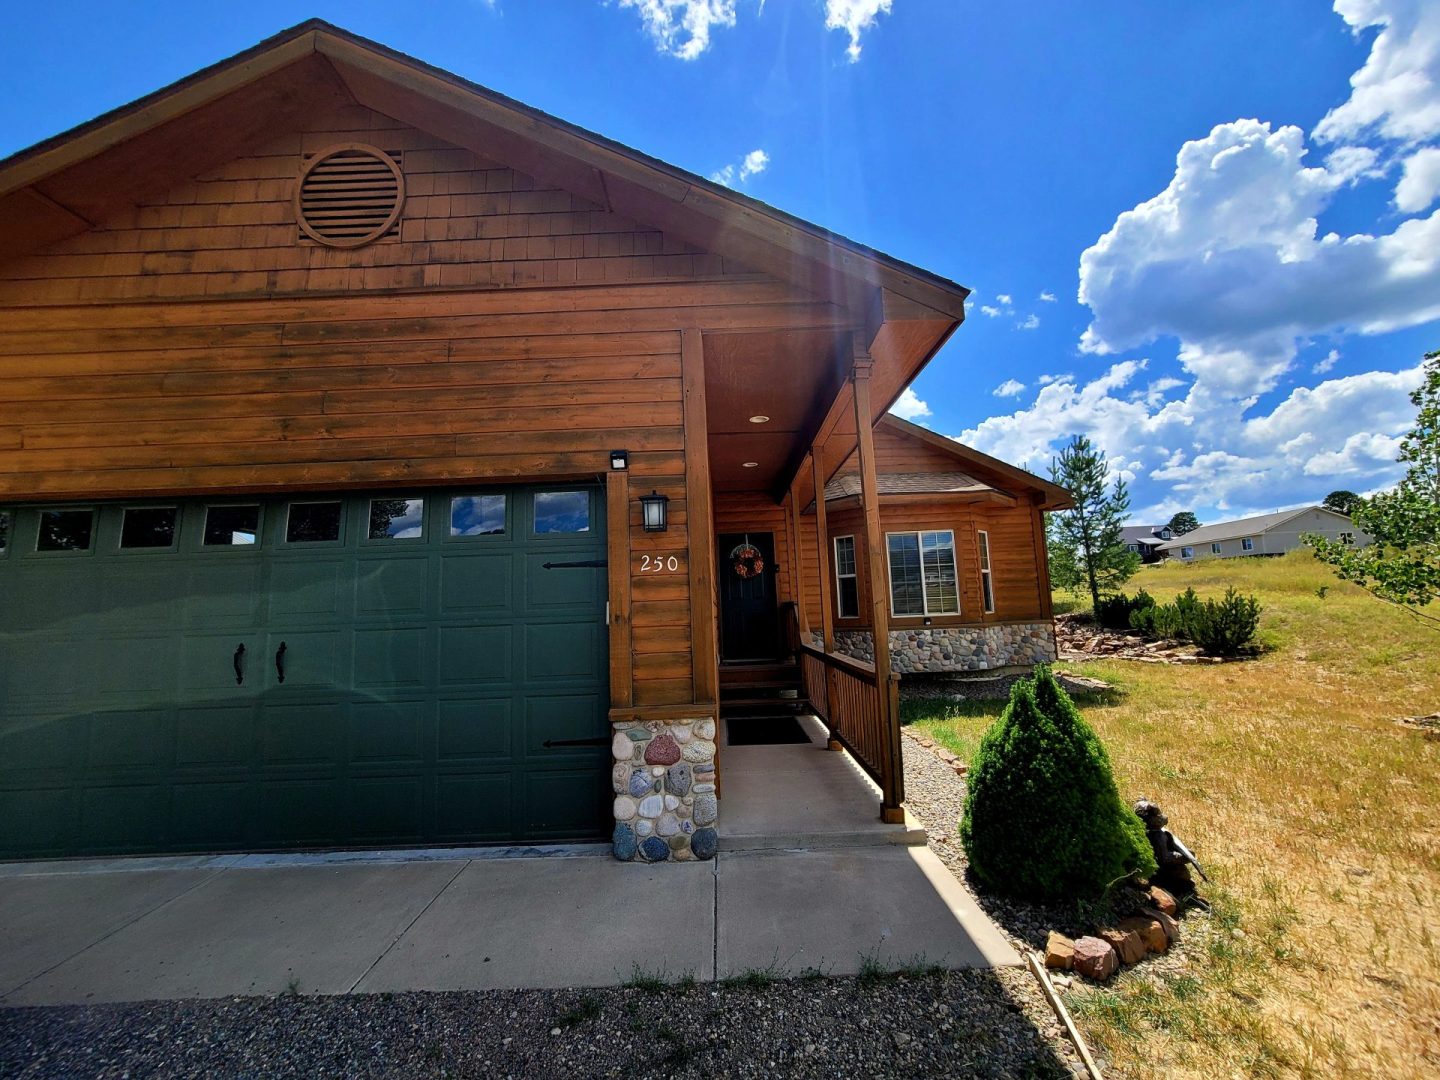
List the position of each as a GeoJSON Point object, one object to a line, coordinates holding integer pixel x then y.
{"type": "Point", "coordinates": [664, 783]}
{"type": "Point", "coordinates": [956, 648]}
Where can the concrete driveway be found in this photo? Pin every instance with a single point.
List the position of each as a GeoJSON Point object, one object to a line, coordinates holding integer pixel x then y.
{"type": "Point", "coordinates": [127, 930]}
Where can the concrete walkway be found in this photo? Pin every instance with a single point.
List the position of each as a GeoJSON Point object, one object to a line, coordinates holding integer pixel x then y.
{"type": "Point", "coordinates": [831, 890]}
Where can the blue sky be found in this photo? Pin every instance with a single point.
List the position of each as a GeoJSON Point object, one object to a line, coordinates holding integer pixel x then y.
{"type": "Point", "coordinates": [1236, 324]}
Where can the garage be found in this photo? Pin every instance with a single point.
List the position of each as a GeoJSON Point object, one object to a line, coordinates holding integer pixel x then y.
{"type": "Point", "coordinates": [319, 670]}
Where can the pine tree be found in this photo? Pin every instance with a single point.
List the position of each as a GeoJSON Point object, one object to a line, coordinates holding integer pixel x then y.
{"type": "Point", "coordinates": [1088, 536]}
{"type": "Point", "coordinates": [1183, 522]}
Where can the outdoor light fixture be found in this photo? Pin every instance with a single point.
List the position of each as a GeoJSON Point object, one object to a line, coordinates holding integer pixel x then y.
{"type": "Point", "coordinates": [749, 464]}
{"type": "Point", "coordinates": [759, 419]}
{"type": "Point", "coordinates": [653, 511]}
{"type": "Point", "coordinates": [619, 459]}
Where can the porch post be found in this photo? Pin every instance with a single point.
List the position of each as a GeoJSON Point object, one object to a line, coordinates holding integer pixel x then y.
{"type": "Point", "coordinates": [827, 609]}
{"type": "Point", "coordinates": [822, 535]}
{"type": "Point", "coordinates": [892, 786]}
{"type": "Point", "coordinates": [700, 522]}
{"type": "Point", "coordinates": [797, 560]}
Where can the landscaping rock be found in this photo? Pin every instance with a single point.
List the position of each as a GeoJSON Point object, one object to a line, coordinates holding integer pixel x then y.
{"type": "Point", "coordinates": [1059, 952]}
{"type": "Point", "coordinates": [1163, 900]}
{"type": "Point", "coordinates": [663, 750]}
{"type": "Point", "coordinates": [1095, 959]}
{"type": "Point", "coordinates": [1127, 945]}
{"type": "Point", "coordinates": [1151, 932]}
{"type": "Point", "coordinates": [1169, 925]}
{"type": "Point", "coordinates": [702, 845]}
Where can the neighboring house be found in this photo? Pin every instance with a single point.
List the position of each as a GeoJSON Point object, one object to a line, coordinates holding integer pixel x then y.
{"type": "Point", "coordinates": [1145, 540]}
{"type": "Point", "coordinates": [390, 463]}
{"type": "Point", "coordinates": [1267, 534]}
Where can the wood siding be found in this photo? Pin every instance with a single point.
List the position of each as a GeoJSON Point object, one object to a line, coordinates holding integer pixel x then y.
{"type": "Point", "coordinates": [1014, 562]}
{"type": "Point", "coordinates": [468, 221]}
{"type": "Point", "coordinates": [510, 333]}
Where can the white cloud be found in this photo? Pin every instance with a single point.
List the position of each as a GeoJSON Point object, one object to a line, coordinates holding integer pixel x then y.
{"type": "Point", "coordinates": [990, 312]}
{"type": "Point", "coordinates": [1009, 388]}
{"type": "Point", "coordinates": [1048, 297]}
{"type": "Point", "coordinates": [1005, 298]}
{"type": "Point", "coordinates": [1227, 260]}
{"type": "Point", "coordinates": [752, 164]}
{"type": "Point", "coordinates": [1030, 322]}
{"type": "Point", "coordinates": [1324, 365]}
{"type": "Point", "coordinates": [1345, 427]}
{"type": "Point", "coordinates": [755, 163]}
{"type": "Point", "coordinates": [854, 17]}
{"type": "Point", "coordinates": [909, 406]}
{"type": "Point", "coordinates": [1396, 95]}
{"type": "Point", "coordinates": [682, 27]}
{"type": "Point", "coordinates": [1420, 182]}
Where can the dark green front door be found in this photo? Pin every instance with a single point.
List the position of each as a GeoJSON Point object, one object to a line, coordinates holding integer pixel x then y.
{"type": "Point", "coordinates": [325, 670]}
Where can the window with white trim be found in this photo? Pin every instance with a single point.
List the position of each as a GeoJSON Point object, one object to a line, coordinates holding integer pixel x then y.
{"type": "Point", "coordinates": [1215, 548]}
{"type": "Point", "coordinates": [987, 590]}
{"type": "Point", "coordinates": [1347, 538]}
{"type": "Point", "coordinates": [1187, 553]}
{"type": "Point", "coordinates": [922, 573]}
{"type": "Point", "coordinates": [847, 586]}
{"type": "Point", "coordinates": [1247, 543]}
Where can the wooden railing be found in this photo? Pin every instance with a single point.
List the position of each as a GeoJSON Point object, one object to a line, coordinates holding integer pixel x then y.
{"type": "Point", "coordinates": [789, 629]}
{"type": "Point", "coordinates": [862, 712]}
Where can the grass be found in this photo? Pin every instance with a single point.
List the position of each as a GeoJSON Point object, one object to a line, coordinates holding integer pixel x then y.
{"type": "Point", "coordinates": [1315, 814]}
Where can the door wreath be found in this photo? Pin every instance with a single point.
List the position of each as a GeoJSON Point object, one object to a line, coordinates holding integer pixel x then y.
{"type": "Point", "coordinates": [746, 561]}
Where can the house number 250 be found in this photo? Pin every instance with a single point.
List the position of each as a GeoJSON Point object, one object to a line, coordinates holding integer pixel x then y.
{"type": "Point", "coordinates": [653, 564]}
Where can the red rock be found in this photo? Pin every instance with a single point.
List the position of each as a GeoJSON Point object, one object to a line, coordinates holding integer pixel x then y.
{"type": "Point", "coordinates": [663, 750]}
{"type": "Point", "coordinates": [1095, 959]}
{"type": "Point", "coordinates": [1127, 945]}
{"type": "Point", "coordinates": [1163, 900]}
{"type": "Point", "coordinates": [1151, 932]}
{"type": "Point", "coordinates": [1059, 952]}
{"type": "Point", "coordinates": [1169, 925]}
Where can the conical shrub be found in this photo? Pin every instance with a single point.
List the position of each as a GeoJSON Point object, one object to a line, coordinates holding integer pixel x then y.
{"type": "Point", "coordinates": [1043, 818]}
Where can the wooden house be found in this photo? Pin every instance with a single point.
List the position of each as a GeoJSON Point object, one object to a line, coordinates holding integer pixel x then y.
{"type": "Point", "coordinates": [379, 452]}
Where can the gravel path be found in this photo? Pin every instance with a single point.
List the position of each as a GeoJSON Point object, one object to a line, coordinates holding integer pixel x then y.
{"type": "Point", "coordinates": [954, 1024]}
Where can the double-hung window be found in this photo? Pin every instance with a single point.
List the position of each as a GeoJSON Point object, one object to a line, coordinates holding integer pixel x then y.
{"type": "Point", "coordinates": [847, 587]}
{"type": "Point", "coordinates": [1215, 548]}
{"type": "Point", "coordinates": [922, 573]}
{"type": "Point", "coordinates": [987, 589]}
{"type": "Point", "coordinates": [1247, 543]}
{"type": "Point", "coordinates": [1187, 553]}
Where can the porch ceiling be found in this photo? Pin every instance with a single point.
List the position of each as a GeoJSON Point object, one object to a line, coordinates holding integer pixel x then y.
{"type": "Point", "coordinates": [791, 377]}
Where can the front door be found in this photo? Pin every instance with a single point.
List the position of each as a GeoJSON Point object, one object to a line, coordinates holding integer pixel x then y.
{"type": "Point", "coordinates": [747, 596]}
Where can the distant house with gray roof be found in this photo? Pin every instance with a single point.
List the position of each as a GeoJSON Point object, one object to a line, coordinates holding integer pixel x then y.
{"type": "Point", "coordinates": [1145, 540]}
{"type": "Point", "coordinates": [1266, 534]}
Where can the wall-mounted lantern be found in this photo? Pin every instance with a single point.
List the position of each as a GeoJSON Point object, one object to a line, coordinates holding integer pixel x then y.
{"type": "Point", "coordinates": [654, 512]}
{"type": "Point", "coordinates": [619, 459]}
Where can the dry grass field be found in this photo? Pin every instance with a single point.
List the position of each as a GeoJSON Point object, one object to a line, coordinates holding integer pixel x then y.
{"type": "Point", "coordinates": [1318, 819]}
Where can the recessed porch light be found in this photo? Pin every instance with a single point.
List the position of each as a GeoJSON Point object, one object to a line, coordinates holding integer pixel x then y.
{"type": "Point", "coordinates": [759, 419]}
{"type": "Point", "coordinates": [750, 465]}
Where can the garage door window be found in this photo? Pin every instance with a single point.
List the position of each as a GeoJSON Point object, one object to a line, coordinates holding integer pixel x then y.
{"type": "Point", "coordinates": [228, 526]}
{"type": "Point", "coordinates": [313, 523]}
{"type": "Point", "coordinates": [397, 519]}
{"type": "Point", "coordinates": [148, 527]}
{"type": "Point", "coordinates": [477, 515]}
{"type": "Point", "coordinates": [562, 512]}
{"type": "Point", "coordinates": [65, 530]}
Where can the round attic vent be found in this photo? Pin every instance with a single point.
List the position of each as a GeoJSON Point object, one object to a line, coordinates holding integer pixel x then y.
{"type": "Point", "coordinates": [349, 195]}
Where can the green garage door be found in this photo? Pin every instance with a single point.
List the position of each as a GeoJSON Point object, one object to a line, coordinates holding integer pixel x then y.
{"type": "Point", "coordinates": [211, 675]}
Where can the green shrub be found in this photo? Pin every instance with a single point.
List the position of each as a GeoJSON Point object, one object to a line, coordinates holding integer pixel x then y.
{"type": "Point", "coordinates": [1117, 612]}
{"type": "Point", "coordinates": [1171, 621]}
{"type": "Point", "coordinates": [1224, 627]}
{"type": "Point", "coordinates": [1042, 817]}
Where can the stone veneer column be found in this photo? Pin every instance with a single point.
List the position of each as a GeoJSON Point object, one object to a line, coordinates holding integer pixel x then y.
{"type": "Point", "coordinates": [664, 781]}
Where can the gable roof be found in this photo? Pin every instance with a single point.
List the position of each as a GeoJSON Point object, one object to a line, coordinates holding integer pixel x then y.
{"type": "Point", "coordinates": [997, 474]}
{"type": "Point", "coordinates": [1233, 530]}
{"type": "Point", "coordinates": [60, 186]}
{"type": "Point", "coordinates": [952, 483]}
{"type": "Point", "coordinates": [1141, 534]}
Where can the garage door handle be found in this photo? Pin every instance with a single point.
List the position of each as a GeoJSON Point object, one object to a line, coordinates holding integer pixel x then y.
{"type": "Point", "coordinates": [239, 661]}
{"type": "Point", "coordinates": [280, 662]}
